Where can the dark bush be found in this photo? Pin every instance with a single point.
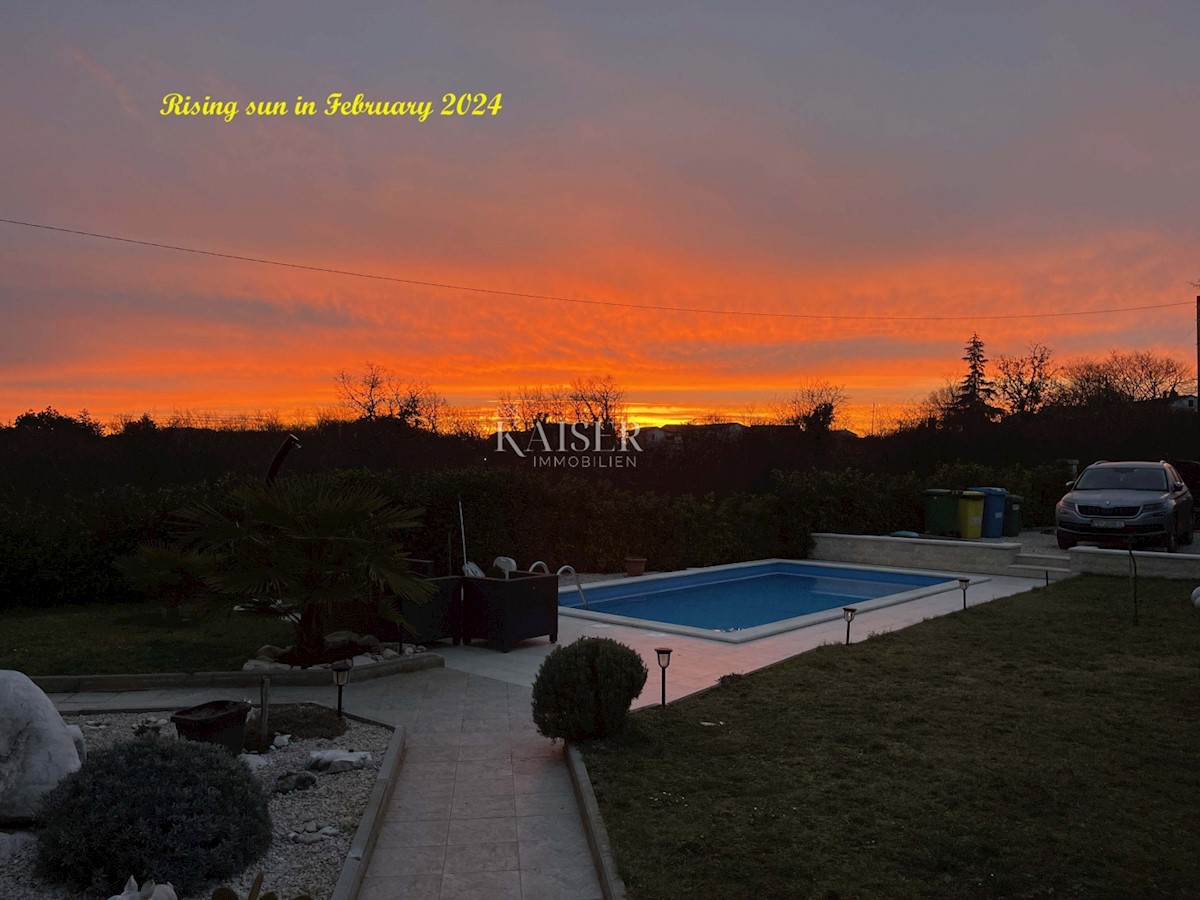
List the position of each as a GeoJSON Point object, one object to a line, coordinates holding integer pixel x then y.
{"type": "Point", "coordinates": [584, 689]}
{"type": "Point", "coordinates": [171, 810]}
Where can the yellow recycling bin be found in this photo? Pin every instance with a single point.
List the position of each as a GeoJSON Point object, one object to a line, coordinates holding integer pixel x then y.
{"type": "Point", "coordinates": [970, 515]}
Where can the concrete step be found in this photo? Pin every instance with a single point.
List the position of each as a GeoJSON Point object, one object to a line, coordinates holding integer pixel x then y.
{"type": "Point", "coordinates": [1057, 573]}
{"type": "Point", "coordinates": [1044, 559]}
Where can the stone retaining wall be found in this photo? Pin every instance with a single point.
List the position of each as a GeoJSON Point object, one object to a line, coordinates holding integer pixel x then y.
{"type": "Point", "coordinates": [915, 553]}
{"type": "Point", "coordinates": [1095, 561]}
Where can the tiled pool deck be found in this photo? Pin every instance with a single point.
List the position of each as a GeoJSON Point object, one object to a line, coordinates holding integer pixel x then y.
{"type": "Point", "coordinates": [483, 807]}
{"type": "Point", "coordinates": [697, 663]}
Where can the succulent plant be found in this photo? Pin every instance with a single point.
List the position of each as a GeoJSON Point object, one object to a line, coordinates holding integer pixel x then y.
{"type": "Point", "coordinates": [224, 892]}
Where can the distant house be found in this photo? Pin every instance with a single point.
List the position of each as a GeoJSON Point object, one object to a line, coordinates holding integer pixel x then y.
{"type": "Point", "coordinates": [1182, 404]}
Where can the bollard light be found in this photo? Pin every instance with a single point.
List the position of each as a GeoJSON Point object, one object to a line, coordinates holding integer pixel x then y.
{"type": "Point", "coordinates": [963, 584]}
{"type": "Point", "coordinates": [341, 674]}
{"type": "Point", "coordinates": [848, 613]}
{"type": "Point", "coordinates": [664, 660]}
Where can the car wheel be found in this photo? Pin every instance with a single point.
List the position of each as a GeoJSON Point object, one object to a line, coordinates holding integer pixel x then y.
{"type": "Point", "coordinates": [1188, 534]}
{"type": "Point", "coordinates": [1171, 540]}
{"type": "Point", "coordinates": [1065, 542]}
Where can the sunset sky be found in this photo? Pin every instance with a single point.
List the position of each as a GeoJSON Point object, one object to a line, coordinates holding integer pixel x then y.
{"type": "Point", "coordinates": [879, 160]}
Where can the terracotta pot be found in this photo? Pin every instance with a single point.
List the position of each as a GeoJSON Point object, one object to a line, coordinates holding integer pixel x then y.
{"type": "Point", "coordinates": [635, 565]}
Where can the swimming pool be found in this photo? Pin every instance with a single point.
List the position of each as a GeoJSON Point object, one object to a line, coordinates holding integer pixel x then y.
{"type": "Point", "coordinates": [747, 601]}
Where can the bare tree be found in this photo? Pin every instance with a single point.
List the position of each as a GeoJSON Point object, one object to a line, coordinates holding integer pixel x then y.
{"type": "Point", "coordinates": [598, 398]}
{"type": "Point", "coordinates": [531, 405]}
{"type": "Point", "coordinates": [1124, 377]}
{"type": "Point", "coordinates": [464, 422]}
{"type": "Point", "coordinates": [366, 393]}
{"type": "Point", "coordinates": [930, 412]}
{"type": "Point", "coordinates": [375, 393]}
{"type": "Point", "coordinates": [814, 406]}
{"type": "Point", "coordinates": [417, 404]}
{"type": "Point", "coordinates": [1142, 375]}
{"type": "Point", "coordinates": [1026, 382]}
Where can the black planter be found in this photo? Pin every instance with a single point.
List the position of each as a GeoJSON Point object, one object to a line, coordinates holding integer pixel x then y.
{"type": "Point", "coordinates": [217, 722]}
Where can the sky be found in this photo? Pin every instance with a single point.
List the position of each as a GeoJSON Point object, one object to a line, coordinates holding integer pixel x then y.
{"type": "Point", "coordinates": [898, 172]}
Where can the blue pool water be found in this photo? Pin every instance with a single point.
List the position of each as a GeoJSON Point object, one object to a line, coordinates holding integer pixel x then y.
{"type": "Point", "coordinates": [729, 600]}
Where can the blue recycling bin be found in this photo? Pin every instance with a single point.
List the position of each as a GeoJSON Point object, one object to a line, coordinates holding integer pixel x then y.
{"type": "Point", "coordinates": [993, 511]}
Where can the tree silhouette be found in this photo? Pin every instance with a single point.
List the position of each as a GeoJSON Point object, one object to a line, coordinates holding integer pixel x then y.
{"type": "Point", "coordinates": [972, 403]}
{"type": "Point", "coordinates": [1027, 382]}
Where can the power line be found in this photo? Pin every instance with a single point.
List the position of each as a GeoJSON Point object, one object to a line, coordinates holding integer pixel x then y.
{"type": "Point", "coordinates": [586, 302]}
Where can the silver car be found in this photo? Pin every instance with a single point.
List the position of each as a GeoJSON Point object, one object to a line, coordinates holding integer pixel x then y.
{"type": "Point", "coordinates": [1126, 503]}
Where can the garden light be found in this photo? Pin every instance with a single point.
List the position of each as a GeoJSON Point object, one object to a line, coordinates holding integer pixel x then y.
{"type": "Point", "coordinates": [664, 660]}
{"type": "Point", "coordinates": [341, 674]}
{"type": "Point", "coordinates": [963, 584]}
{"type": "Point", "coordinates": [848, 613]}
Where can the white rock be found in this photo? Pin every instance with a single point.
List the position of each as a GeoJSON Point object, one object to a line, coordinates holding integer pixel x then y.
{"type": "Point", "coordinates": [328, 831]}
{"type": "Point", "coordinates": [76, 734]}
{"type": "Point", "coordinates": [389, 653]}
{"type": "Point", "coordinates": [148, 891]}
{"type": "Point", "coordinates": [281, 741]}
{"type": "Point", "coordinates": [262, 665]}
{"type": "Point", "coordinates": [362, 660]}
{"type": "Point", "coordinates": [335, 761]}
{"type": "Point", "coordinates": [36, 750]}
{"type": "Point", "coordinates": [252, 761]}
{"type": "Point", "coordinates": [310, 838]}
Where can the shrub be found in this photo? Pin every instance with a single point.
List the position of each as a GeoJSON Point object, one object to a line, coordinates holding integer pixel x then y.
{"type": "Point", "coordinates": [584, 689]}
{"type": "Point", "coordinates": [171, 810]}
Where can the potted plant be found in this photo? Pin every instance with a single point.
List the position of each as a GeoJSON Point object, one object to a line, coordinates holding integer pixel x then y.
{"type": "Point", "coordinates": [635, 566]}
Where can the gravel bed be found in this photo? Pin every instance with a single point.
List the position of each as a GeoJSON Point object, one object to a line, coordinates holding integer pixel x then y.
{"type": "Point", "coordinates": [290, 867]}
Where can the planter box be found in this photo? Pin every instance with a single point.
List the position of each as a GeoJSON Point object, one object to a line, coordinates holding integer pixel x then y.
{"type": "Point", "coordinates": [507, 610]}
{"type": "Point", "coordinates": [218, 722]}
{"type": "Point", "coordinates": [439, 617]}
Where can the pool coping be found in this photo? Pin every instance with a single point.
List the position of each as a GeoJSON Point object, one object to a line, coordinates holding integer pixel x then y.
{"type": "Point", "coordinates": [770, 629]}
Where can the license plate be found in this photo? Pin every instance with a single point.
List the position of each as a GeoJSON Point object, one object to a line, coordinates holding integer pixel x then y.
{"type": "Point", "coordinates": [1108, 523]}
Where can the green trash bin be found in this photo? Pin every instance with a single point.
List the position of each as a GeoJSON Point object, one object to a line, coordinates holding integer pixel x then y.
{"type": "Point", "coordinates": [970, 515]}
{"type": "Point", "coordinates": [1012, 515]}
{"type": "Point", "coordinates": [941, 512]}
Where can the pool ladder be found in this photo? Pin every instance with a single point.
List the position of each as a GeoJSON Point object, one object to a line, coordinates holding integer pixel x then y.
{"type": "Point", "coordinates": [571, 569]}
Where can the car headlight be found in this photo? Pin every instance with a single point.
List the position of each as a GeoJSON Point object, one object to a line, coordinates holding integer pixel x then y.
{"type": "Point", "coordinates": [1154, 507]}
{"type": "Point", "coordinates": [1067, 505]}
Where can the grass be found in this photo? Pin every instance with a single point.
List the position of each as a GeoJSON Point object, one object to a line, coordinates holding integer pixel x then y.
{"type": "Point", "coordinates": [91, 640]}
{"type": "Point", "coordinates": [1037, 746]}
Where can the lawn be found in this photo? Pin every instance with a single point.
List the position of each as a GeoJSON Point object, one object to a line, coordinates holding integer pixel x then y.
{"type": "Point", "coordinates": [88, 640]}
{"type": "Point", "coordinates": [1037, 746]}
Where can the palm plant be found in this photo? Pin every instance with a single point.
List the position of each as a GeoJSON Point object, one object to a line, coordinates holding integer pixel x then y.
{"type": "Point", "coordinates": [169, 574]}
{"type": "Point", "coordinates": [310, 541]}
